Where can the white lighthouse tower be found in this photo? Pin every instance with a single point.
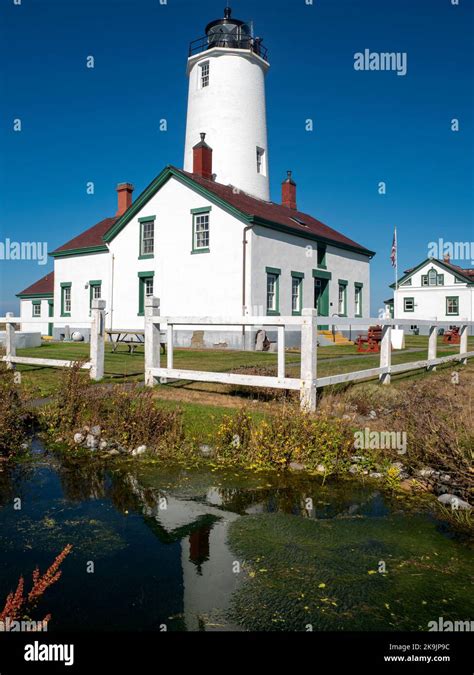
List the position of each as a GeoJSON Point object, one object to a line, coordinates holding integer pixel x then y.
{"type": "Point", "coordinates": [226, 101]}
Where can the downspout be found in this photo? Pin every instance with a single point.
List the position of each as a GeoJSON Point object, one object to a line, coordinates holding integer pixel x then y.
{"type": "Point", "coordinates": [244, 275]}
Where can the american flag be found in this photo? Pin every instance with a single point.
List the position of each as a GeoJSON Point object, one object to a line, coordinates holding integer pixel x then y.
{"type": "Point", "coordinates": [393, 254]}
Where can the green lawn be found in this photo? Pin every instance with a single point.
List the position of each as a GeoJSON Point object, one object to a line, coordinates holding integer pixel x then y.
{"type": "Point", "coordinates": [125, 367]}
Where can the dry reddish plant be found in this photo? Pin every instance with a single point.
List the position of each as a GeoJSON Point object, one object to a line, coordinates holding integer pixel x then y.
{"type": "Point", "coordinates": [18, 605]}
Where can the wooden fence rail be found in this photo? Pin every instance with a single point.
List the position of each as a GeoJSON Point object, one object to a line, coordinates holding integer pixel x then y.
{"type": "Point", "coordinates": [95, 365]}
{"type": "Point", "coordinates": [308, 382]}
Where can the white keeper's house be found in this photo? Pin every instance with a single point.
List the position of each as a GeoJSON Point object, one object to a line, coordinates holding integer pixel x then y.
{"type": "Point", "coordinates": [434, 289]}
{"type": "Point", "coordinates": [206, 239]}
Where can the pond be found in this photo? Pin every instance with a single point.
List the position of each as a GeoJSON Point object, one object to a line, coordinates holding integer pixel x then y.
{"type": "Point", "coordinates": [207, 549]}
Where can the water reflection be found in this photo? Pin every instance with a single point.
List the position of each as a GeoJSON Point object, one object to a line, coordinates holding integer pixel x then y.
{"type": "Point", "coordinates": [159, 538]}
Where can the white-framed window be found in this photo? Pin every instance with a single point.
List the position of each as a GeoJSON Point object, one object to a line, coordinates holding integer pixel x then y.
{"type": "Point", "coordinates": [272, 292]}
{"type": "Point", "coordinates": [37, 309]}
{"type": "Point", "coordinates": [201, 232]}
{"type": "Point", "coordinates": [358, 300]}
{"type": "Point", "coordinates": [341, 299]}
{"type": "Point", "coordinates": [204, 74]}
{"type": "Point", "coordinates": [432, 278]}
{"type": "Point", "coordinates": [148, 287]}
{"type": "Point", "coordinates": [261, 161]}
{"type": "Point", "coordinates": [296, 295]}
{"type": "Point", "coordinates": [452, 305]}
{"type": "Point", "coordinates": [147, 238]}
{"type": "Point", "coordinates": [66, 303]}
{"type": "Point", "coordinates": [408, 304]}
{"type": "Point", "coordinates": [96, 292]}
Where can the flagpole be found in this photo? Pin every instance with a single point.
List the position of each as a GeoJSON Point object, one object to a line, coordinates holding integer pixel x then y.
{"type": "Point", "coordinates": [396, 268]}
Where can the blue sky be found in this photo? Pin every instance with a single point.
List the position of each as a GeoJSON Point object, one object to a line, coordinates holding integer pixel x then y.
{"type": "Point", "coordinates": [102, 124]}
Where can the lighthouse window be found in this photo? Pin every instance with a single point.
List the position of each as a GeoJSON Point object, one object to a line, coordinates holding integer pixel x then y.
{"type": "Point", "coordinates": [260, 161]}
{"type": "Point", "coordinates": [201, 232]}
{"type": "Point", "coordinates": [204, 74]}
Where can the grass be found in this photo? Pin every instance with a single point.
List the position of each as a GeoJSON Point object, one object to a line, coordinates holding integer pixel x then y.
{"type": "Point", "coordinates": [124, 367]}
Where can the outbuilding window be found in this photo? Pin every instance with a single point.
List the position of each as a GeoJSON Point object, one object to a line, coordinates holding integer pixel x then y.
{"type": "Point", "coordinates": [36, 308]}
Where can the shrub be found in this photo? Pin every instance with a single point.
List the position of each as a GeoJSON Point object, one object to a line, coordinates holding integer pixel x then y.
{"type": "Point", "coordinates": [127, 415]}
{"type": "Point", "coordinates": [287, 436]}
{"type": "Point", "coordinates": [14, 417]}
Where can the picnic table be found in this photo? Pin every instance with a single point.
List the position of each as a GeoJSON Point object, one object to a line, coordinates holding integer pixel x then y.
{"type": "Point", "coordinates": [131, 338]}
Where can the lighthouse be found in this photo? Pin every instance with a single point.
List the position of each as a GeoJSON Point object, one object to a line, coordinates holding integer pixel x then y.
{"type": "Point", "coordinates": [226, 101]}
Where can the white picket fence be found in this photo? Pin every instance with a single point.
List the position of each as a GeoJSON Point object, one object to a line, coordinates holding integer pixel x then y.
{"type": "Point", "coordinates": [308, 382]}
{"type": "Point", "coordinates": [95, 365]}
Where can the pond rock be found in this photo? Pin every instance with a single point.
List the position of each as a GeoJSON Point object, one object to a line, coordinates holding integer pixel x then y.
{"type": "Point", "coordinates": [296, 466]}
{"type": "Point", "coordinates": [426, 472]}
{"type": "Point", "coordinates": [375, 474]}
{"type": "Point", "coordinates": [78, 438]}
{"type": "Point", "coordinates": [95, 431]}
{"type": "Point", "coordinates": [206, 450]}
{"type": "Point", "coordinates": [103, 445]}
{"type": "Point", "coordinates": [139, 451]}
{"type": "Point", "coordinates": [454, 502]}
{"type": "Point", "coordinates": [91, 442]}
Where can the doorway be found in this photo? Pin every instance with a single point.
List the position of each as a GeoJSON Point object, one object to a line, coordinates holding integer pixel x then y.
{"type": "Point", "coordinates": [321, 298]}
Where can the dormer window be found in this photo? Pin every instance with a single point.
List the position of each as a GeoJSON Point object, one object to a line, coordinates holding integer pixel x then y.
{"type": "Point", "coordinates": [432, 278]}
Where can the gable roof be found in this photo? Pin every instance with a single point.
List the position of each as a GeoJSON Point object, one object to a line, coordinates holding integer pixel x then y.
{"type": "Point", "coordinates": [245, 207]}
{"type": "Point", "coordinates": [466, 275]}
{"type": "Point", "coordinates": [44, 287]}
{"type": "Point", "coordinates": [89, 241]}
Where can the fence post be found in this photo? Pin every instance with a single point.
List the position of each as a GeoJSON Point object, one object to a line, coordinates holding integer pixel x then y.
{"type": "Point", "coordinates": [432, 346]}
{"type": "Point", "coordinates": [281, 351]}
{"type": "Point", "coordinates": [386, 354]}
{"type": "Point", "coordinates": [97, 339]}
{"type": "Point", "coordinates": [309, 356]}
{"type": "Point", "coordinates": [10, 345]}
{"type": "Point", "coordinates": [463, 343]}
{"type": "Point", "coordinates": [152, 339]}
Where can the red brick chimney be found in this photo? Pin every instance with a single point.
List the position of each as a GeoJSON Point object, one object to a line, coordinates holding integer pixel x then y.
{"type": "Point", "coordinates": [447, 258]}
{"type": "Point", "coordinates": [288, 192]}
{"type": "Point", "coordinates": [202, 159]}
{"type": "Point", "coordinates": [124, 197]}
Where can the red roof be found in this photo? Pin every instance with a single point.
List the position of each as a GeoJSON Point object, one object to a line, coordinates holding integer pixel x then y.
{"type": "Point", "coordinates": [91, 237]}
{"type": "Point", "coordinates": [275, 213]}
{"type": "Point", "coordinates": [45, 286]}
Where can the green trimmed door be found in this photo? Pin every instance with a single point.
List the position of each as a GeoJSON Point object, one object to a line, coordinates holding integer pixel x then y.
{"type": "Point", "coordinates": [321, 298]}
{"type": "Point", "coordinates": [50, 315]}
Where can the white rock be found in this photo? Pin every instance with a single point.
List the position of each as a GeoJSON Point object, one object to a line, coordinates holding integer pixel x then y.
{"type": "Point", "coordinates": [296, 466]}
{"type": "Point", "coordinates": [139, 451]}
{"type": "Point", "coordinates": [321, 468]}
{"type": "Point", "coordinates": [426, 472]}
{"type": "Point", "coordinates": [102, 445]}
{"type": "Point", "coordinates": [78, 438]}
{"type": "Point", "coordinates": [206, 450]}
{"type": "Point", "coordinates": [91, 442]}
{"type": "Point", "coordinates": [375, 474]}
{"type": "Point", "coordinates": [454, 502]}
{"type": "Point", "coordinates": [95, 431]}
